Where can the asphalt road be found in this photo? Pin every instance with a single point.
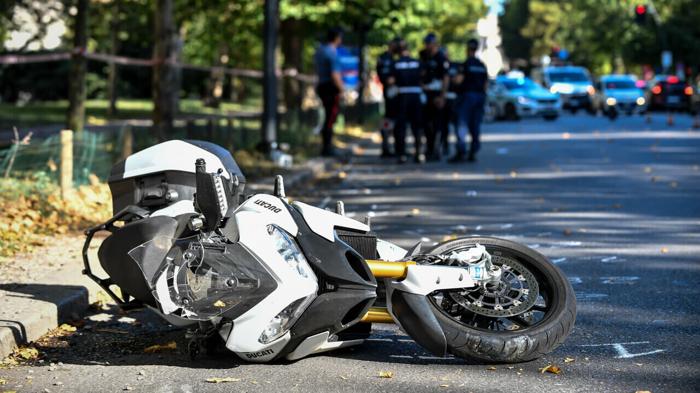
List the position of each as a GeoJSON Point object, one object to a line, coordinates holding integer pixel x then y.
{"type": "Point", "coordinates": [615, 204]}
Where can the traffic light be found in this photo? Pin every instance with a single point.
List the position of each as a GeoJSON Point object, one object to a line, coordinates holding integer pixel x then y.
{"type": "Point", "coordinates": [640, 14]}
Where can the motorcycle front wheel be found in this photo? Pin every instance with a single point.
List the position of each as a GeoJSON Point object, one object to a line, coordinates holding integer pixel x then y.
{"type": "Point", "coordinates": [526, 314]}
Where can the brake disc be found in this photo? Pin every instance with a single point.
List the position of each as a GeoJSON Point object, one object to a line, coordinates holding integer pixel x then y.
{"type": "Point", "coordinates": [515, 292]}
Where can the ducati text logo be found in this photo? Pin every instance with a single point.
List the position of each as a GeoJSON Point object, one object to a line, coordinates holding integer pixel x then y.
{"type": "Point", "coordinates": [268, 206]}
{"type": "Point", "coordinates": [254, 355]}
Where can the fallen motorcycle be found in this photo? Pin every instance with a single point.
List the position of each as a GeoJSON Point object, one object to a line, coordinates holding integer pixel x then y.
{"type": "Point", "coordinates": [269, 279]}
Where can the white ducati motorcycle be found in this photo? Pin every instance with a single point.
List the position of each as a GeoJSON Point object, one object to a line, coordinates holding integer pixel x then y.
{"type": "Point", "coordinates": [269, 279]}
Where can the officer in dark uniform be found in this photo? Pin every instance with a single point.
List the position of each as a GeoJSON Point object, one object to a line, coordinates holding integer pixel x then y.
{"type": "Point", "coordinates": [473, 82]}
{"type": "Point", "coordinates": [384, 66]}
{"type": "Point", "coordinates": [451, 106]}
{"type": "Point", "coordinates": [406, 76]}
{"type": "Point", "coordinates": [435, 84]}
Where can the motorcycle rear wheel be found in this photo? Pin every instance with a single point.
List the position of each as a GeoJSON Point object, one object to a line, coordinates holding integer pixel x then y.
{"type": "Point", "coordinates": [487, 334]}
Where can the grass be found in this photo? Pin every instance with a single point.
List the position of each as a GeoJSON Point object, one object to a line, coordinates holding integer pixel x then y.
{"type": "Point", "coordinates": [54, 112]}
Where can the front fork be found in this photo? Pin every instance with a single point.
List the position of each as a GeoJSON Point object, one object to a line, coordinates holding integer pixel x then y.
{"type": "Point", "coordinates": [383, 270]}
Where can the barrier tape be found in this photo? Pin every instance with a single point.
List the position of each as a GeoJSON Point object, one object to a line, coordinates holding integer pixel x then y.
{"type": "Point", "coordinates": [131, 61]}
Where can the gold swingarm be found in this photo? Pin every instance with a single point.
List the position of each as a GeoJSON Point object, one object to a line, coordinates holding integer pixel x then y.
{"type": "Point", "coordinates": [384, 269]}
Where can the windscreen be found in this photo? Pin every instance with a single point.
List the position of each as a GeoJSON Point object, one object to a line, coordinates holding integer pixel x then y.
{"type": "Point", "coordinates": [193, 279]}
{"type": "Point", "coordinates": [620, 84]}
{"type": "Point", "coordinates": [519, 83]}
{"type": "Point", "coordinates": [564, 77]}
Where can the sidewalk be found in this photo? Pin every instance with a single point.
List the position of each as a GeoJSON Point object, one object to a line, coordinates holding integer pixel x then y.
{"type": "Point", "coordinates": [41, 290]}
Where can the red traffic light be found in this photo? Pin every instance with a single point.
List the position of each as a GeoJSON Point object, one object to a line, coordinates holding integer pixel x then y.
{"type": "Point", "coordinates": [641, 9]}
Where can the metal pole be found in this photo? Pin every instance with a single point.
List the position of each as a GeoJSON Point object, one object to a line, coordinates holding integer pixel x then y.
{"type": "Point", "coordinates": [269, 119]}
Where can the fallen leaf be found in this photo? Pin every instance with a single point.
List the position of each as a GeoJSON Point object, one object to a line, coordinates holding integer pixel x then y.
{"type": "Point", "coordinates": [415, 211]}
{"type": "Point", "coordinates": [513, 174]}
{"type": "Point", "coordinates": [569, 360]}
{"type": "Point", "coordinates": [222, 380]}
{"type": "Point", "coordinates": [386, 374]}
{"type": "Point", "coordinates": [449, 237]}
{"type": "Point", "coordinates": [342, 175]}
{"type": "Point", "coordinates": [27, 353]}
{"type": "Point", "coordinates": [3, 381]}
{"type": "Point", "coordinates": [444, 385]}
{"type": "Point", "coordinates": [219, 304]}
{"type": "Point", "coordinates": [566, 135]}
{"type": "Point", "coordinates": [643, 391]}
{"type": "Point", "coordinates": [664, 250]}
{"type": "Point", "coordinates": [550, 369]}
{"type": "Point", "coordinates": [161, 347]}
{"type": "Point", "coordinates": [67, 328]}
{"type": "Point", "coordinates": [492, 368]}
{"type": "Point", "coordinates": [343, 377]}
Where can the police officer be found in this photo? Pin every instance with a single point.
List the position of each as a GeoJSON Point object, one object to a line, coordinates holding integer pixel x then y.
{"type": "Point", "coordinates": [435, 85]}
{"type": "Point", "coordinates": [451, 106]}
{"type": "Point", "coordinates": [384, 67]}
{"type": "Point", "coordinates": [406, 75]}
{"type": "Point", "coordinates": [473, 82]}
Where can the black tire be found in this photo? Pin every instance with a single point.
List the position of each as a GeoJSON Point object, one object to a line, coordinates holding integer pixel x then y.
{"type": "Point", "coordinates": [511, 112]}
{"type": "Point", "coordinates": [510, 346]}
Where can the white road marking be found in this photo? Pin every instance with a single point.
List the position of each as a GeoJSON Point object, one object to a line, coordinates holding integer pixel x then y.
{"type": "Point", "coordinates": [622, 352]}
{"type": "Point", "coordinates": [619, 280]}
{"type": "Point", "coordinates": [608, 259]}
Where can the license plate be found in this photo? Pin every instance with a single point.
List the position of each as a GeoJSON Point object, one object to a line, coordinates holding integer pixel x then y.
{"type": "Point", "coordinates": [674, 100]}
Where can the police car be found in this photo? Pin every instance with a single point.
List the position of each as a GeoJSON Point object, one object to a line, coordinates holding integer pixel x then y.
{"type": "Point", "coordinates": [619, 93]}
{"type": "Point", "coordinates": [515, 96]}
{"type": "Point", "coordinates": [573, 84]}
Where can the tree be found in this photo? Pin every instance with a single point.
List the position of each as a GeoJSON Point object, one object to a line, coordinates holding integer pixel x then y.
{"type": "Point", "coordinates": [76, 83]}
{"type": "Point", "coordinates": [166, 86]}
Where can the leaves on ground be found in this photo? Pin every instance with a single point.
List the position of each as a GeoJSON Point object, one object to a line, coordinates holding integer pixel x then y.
{"type": "Point", "coordinates": [3, 381]}
{"type": "Point", "coordinates": [386, 374]}
{"type": "Point", "coordinates": [491, 368]}
{"type": "Point", "coordinates": [161, 347]}
{"type": "Point", "coordinates": [664, 250]}
{"type": "Point", "coordinates": [26, 353]}
{"type": "Point", "coordinates": [222, 380]}
{"type": "Point", "coordinates": [569, 360]}
{"type": "Point", "coordinates": [67, 328]}
{"type": "Point", "coordinates": [550, 368]}
{"type": "Point", "coordinates": [219, 304]}
{"type": "Point", "coordinates": [33, 211]}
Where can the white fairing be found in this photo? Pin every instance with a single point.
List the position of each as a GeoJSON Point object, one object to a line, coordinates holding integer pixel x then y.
{"type": "Point", "coordinates": [388, 251]}
{"type": "Point", "coordinates": [175, 209]}
{"type": "Point", "coordinates": [319, 343]}
{"type": "Point", "coordinates": [167, 156]}
{"type": "Point", "coordinates": [252, 219]}
{"type": "Point", "coordinates": [324, 222]}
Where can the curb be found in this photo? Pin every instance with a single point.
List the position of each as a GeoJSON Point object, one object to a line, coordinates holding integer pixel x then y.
{"type": "Point", "coordinates": [50, 306]}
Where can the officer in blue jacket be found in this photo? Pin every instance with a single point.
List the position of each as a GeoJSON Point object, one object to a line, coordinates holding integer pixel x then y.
{"type": "Point", "coordinates": [473, 81]}
{"type": "Point", "coordinates": [406, 75]}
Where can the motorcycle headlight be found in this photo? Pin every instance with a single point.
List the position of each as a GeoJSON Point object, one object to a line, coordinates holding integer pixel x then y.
{"type": "Point", "coordinates": [282, 322]}
{"type": "Point", "coordinates": [287, 247]}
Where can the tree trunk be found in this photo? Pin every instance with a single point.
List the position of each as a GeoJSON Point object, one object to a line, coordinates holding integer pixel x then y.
{"type": "Point", "coordinates": [112, 68]}
{"type": "Point", "coordinates": [76, 83]}
{"type": "Point", "coordinates": [166, 85]}
{"type": "Point", "coordinates": [292, 52]}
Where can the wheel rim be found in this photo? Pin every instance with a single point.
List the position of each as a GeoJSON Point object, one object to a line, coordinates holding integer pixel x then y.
{"type": "Point", "coordinates": [533, 310]}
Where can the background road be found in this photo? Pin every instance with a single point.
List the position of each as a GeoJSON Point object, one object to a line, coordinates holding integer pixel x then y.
{"type": "Point", "coordinates": [615, 204]}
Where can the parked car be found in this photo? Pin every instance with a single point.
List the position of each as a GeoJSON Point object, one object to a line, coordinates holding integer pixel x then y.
{"type": "Point", "coordinates": [668, 92]}
{"type": "Point", "coordinates": [516, 97]}
{"type": "Point", "coordinates": [619, 93]}
{"type": "Point", "coordinates": [573, 84]}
